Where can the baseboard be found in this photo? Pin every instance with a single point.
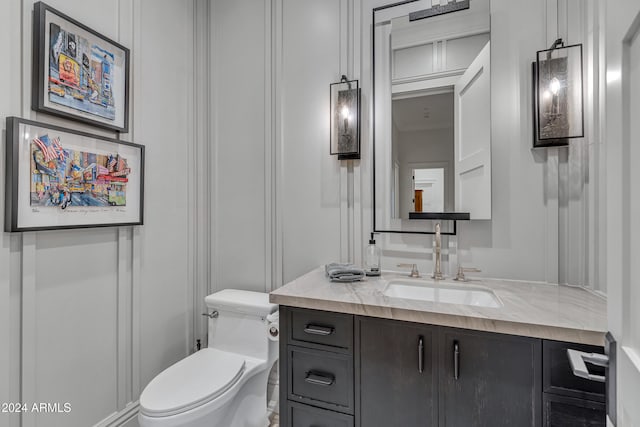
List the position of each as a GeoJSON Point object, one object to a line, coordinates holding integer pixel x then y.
{"type": "Point", "coordinates": [128, 417]}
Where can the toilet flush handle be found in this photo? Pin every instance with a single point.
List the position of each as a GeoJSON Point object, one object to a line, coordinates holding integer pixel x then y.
{"type": "Point", "coordinates": [212, 315]}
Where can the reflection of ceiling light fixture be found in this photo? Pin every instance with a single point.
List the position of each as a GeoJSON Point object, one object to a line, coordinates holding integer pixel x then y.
{"type": "Point", "coordinates": [451, 6]}
{"type": "Point", "coordinates": [559, 109]}
{"type": "Point", "coordinates": [345, 119]}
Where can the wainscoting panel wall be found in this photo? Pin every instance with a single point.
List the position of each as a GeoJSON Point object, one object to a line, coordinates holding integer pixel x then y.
{"type": "Point", "coordinates": [239, 139]}
{"type": "Point", "coordinates": [545, 215]}
{"type": "Point", "coordinates": [89, 317]}
{"type": "Point", "coordinates": [312, 53]}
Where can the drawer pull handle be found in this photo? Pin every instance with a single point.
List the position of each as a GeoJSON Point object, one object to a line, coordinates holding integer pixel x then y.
{"type": "Point", "coordinates": [456, 360]}
{"type": "Point", "coordinates": [319, 379]}
{"type": "Point", "coordinates": [421, 355]}
{"type": "Point", "coordinates": [577, 360]}
{"type": "Point", "coordinates": [318, 330]}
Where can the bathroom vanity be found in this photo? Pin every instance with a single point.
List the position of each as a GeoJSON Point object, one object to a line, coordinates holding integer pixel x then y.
{"type": "Point", "coordinates": [350, 355]}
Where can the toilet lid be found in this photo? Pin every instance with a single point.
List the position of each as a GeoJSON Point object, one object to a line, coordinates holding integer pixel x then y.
{"type": "Point", "coordinates": [191, 382]}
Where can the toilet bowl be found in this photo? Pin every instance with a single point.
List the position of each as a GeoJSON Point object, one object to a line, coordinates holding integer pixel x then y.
{"type": "Point", "coordinates": [225, 384]}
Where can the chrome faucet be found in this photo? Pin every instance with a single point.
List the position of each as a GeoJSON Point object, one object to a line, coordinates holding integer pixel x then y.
{"type": "Point", "coordinates": [437, 270]}
{"type": "Point", "coordinates": [461, 270]}
{"type": "Point", "coordinates": [413, 267]}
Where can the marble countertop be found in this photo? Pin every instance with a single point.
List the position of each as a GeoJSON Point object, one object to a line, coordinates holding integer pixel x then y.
{"type": "Point", "coordinates": [539, 310]}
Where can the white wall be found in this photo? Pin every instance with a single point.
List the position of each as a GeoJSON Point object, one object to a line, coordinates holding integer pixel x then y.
{"type": "Point", "coordinates": [311, 179]}
{"type": "Point", "coordinates": [278, 194]}
{"type": "Point", "coordinates": [90, 316]}
{"type": "Point", "coordinates": [240, 161]}
{"type": "Point", "coordinates": [542, 206]}
{"type": "Point", "coordinates": [318, 209]}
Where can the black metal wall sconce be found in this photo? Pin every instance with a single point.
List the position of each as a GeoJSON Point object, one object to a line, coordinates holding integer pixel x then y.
{"type": "Point", "coordinates": [558, 95]}
{"type": "Point", "coordinates": [345, 119]}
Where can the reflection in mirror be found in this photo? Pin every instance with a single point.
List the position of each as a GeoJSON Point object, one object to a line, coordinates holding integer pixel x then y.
{"type": "Point", "coordinates": [432, 130]}
{"type": "Point", "coordinates": [422, 147]}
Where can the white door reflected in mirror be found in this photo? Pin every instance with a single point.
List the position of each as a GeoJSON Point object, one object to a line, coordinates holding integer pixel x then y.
{"type": "Point", "coordinates": [432, 111]}
{"type": "Point", "coordinates": [430, 182]}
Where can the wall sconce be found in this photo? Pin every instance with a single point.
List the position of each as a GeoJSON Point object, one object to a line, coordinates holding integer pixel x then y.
{"type": "Point", "coordinates": [559, 109]}
{"type": "Point", "coordinates": [345, 119]}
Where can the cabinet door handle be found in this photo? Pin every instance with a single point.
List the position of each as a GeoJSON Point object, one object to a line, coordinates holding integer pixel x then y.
{"type": "Point", "coordinates": [577, 360]}
{"type": "Point", "coordinates": [421, 355]}
{"type": "Point", "coordinates": [316, 378]}
{"type": "Point", "coordinates": [318, 330]}
{"type": "Point", "coordinates": [456, 360]}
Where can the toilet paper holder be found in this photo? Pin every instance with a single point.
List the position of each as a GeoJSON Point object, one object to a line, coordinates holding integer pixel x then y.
{"type": "Point", "coordinates": [212, 315]}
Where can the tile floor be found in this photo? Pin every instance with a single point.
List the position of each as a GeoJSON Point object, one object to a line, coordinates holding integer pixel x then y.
{"type": "Point", "coordinates": [275, 421]}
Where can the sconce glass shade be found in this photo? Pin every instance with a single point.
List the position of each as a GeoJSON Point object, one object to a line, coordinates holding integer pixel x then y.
{"type": "Point", "coordinates": [345, 119]}
{"type": "Point", "coordinates": [559, 98]}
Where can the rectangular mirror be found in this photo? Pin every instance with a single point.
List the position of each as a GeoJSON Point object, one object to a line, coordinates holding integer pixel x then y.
{"type": "Point", "coordinates": [432, 112]}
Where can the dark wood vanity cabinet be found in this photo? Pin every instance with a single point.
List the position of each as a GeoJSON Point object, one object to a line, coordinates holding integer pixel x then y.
{"type": "Point", "coordinates": [420, 375]}
{"type": "Point", "coordinates": [317, 387]}
{"type": "Point", "coordinates": [488, 379]}
{"type": "Point", "coordinates": [569, 400]}
{"type": "Point", "coordinates": [398, 373]}
{"type": "Point", "coordinates": [344, 370]}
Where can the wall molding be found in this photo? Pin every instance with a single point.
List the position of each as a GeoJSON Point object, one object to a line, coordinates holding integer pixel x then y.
{"type": "Point", "coordinates": [270, 264]}
{"type": "Point", "coordinates": [275, 53]}
{"type": "Point", "coordinates": [126, 415]}
{"type": "Point", "coordinates": [28, 380]}
{"type": "Point", "coordinates": [200, 197]}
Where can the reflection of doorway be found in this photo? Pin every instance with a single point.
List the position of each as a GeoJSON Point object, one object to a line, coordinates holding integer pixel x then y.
{"type": "Point", "coordinates": [435, 179]}
{"type": "Point", "coordinates": [395, 191]}
{"type": "Point", "coordinates": [431, 182]}
{"type": "Point", "coordinates": [423, 138]}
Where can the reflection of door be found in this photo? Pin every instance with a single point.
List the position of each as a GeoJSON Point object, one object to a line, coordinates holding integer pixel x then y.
{"type": "Point", "coordinates": [472, 124]}
{"type": "Point", "coordinates": [622, 143]}
{"type": "Point", "coordinates": [431, 181]}
{"type": "Point", "coordinates": [395, 191]}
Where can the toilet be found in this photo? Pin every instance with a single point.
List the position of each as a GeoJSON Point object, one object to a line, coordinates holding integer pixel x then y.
{"type": "Point", "coordinates": [225, 384]}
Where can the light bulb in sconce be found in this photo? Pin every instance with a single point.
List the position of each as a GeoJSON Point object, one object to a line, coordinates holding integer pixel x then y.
{"type": "Point", "coordinates": [554, 86]}
{"type": "Point", "coordinates": [345, 116]}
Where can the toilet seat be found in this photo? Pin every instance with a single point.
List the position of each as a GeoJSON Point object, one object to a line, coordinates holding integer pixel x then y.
{"type": "Point", "coordinates": [208, 374]}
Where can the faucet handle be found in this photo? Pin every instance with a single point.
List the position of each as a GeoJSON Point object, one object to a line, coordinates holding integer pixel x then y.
{"type": "Point", "coordinates": [413, 267]}
{"type": "Point", "coordinates": [461, 270]}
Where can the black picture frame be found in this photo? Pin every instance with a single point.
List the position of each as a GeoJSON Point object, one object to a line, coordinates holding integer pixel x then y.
{"type": "Point", "coordinates": [25, 162]}
{"type": "Point", "coordinates": [87, 93]}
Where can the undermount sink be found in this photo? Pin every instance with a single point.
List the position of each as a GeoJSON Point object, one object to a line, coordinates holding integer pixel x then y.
{"type": "Point", "coordinates": [442, 292]}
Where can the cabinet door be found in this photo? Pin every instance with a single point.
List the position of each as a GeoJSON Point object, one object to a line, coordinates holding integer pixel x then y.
{"type": "Point", "coordinates": [397, 386]}
{"type": "Point", "coordinates": [489, 380]}
{"type": "Point", "coordinates": [561, 411]}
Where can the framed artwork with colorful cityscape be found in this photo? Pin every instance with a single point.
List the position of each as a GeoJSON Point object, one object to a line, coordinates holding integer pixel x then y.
{"type": "Point", "coordinates": [59, 178]}
{"type": "Point", "coordinates": [78, 73]}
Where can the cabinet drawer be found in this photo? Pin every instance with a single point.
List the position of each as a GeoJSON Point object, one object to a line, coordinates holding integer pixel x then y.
{"type": "Point", "coordinates": [321, 378]}
{"type": "Point", "coordinates": [308, 416]}
{"type": "Point", "coordinates": [558, 377]}
{"type": "Point", "coordinates": [321, 327]}
{"type": "Point", "coordinates": [562, 411]}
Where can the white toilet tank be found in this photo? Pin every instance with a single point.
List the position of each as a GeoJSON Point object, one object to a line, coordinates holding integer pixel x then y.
{"type": "Point", "coordinates": [241, 325]}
